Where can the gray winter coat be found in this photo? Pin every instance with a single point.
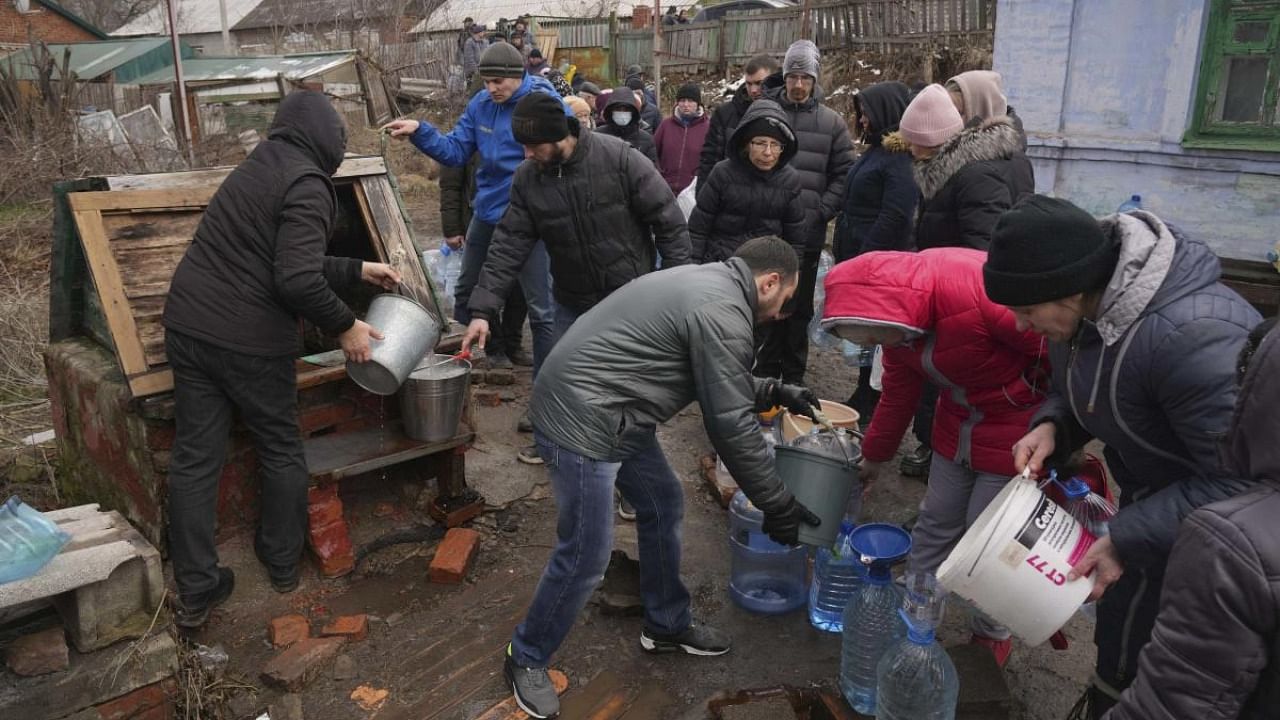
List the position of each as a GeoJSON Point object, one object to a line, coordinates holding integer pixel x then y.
{"type": "Point", "coordinates": [1154, 379]}
{"type": "Point", "coordinates": [1215, 651]}
{"type": "Point", "coordinates": [472, 49]}
{"type": "Point", "coordinates": [823, 160]}
{"type": "Point", "coordinates": [647, 351]}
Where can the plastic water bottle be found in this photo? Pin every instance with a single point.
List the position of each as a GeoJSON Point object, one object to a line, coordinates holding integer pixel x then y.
{"type": "Point", "coordinates": [916, 680]}
{"type": "Point", "coordinates": [836, 575]}
{"type": "Point", "coordinates": [871, 621]}
{"type": "Point", "coordinates": [450, 271]}
{"type": "Point", "coordinates": [1133, 203]}
{"type": "Point", "coordinates": [765, 577]}
{"type": "Point", "coordinates": [851, 352]}
{"type": "Point", "coordinates": [817, 336]}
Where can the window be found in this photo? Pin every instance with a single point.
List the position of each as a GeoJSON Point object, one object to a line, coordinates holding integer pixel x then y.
{"type": "Point", "coordinates": [1238, 103]}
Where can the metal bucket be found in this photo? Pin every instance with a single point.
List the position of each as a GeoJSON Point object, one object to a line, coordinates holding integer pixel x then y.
{"type": "Point", "coordinates": [409, 332]}
{"type": "Point", "coordinates": [821, 483]}
{"type": "Point", "coordinates": [432, 398]}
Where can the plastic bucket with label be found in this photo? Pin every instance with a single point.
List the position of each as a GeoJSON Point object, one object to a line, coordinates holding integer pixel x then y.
{"type": "Point", "coordinates": [1013, 562]}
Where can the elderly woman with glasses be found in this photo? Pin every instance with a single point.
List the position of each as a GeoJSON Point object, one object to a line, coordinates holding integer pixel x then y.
{"type": "Point", "coordinates": [752, 192]}
{"type": "Point", "coordinates": [929, 313]}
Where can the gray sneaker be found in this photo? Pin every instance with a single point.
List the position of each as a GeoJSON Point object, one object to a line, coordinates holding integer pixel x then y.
{"type": "Point", "coordinates": [532, 688]}
{"type": "Point", "coordinates": [697, 639]}
{"type": "Point", "coordinates": [529, 455]}
{"type": "Point", "coordinates": [498, 361]}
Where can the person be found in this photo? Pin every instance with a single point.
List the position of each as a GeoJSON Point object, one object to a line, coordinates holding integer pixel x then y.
{"type": "Point", "coordinates": [682, 18]}
{"type": "Point", "coordinates": [536, 64]}
{"type": "Point", "coordinates": [753, 192]}
{"type": "Point", "coordinates": [726, 117]}
{"type": "Point", "coordinates": [1142, 344]}
{"type": "Point", "coordinates": [1213, 652]}
{"type": "Point", "coordinates": [649, 113]}
{"type": "Point", "coordinates": [879, 199]}
{"type": "Point", "coordinates": [527, 41]}
{"type": "Point", "coordinates": [465, 33]}
{"type": "Point", "coordinates": [472, 50]}
{"type": "Point", "coordinates": [582, 111]}
{"type": "Point", "coordinates": [979, 96]}
{"type": "Point", "coordinates": [256, 263]}
{"type": "Point", "coordinates": [928, 312]}
{"type": "Point", "coordinates": [556, 78]}
{"type": "Point", "coordinates": [630, 364]}
{"type": "Point", "coordinates": [670, 17]}
{"type": "Point", "coordinates": [457, 194]}
{"type": "Point", "coordinates": [589, 91]}
{"type": "Point", "coordinates": [679, 138]}
{"type": "Point", "coordinates": [485, 127]}
{"type": "Point", "coordinates": [823, 160]}
{"type": "Point", "coordinates": [621, 119]}
{"type": "Point", "coordinates": [520, 43]}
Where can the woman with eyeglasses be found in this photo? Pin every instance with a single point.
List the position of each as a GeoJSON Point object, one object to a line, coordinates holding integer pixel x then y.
{"type": "Point", "coordinates": [752, 192]}
{"type": "Point", "coordinates": [930, 314]}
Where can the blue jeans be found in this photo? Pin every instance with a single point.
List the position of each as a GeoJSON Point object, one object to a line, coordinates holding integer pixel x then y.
{"type": "Point", "coordinates": [565, 317]}
{"type": "Point", "coordinates": [535, 279]}
{"type": "Point", "coordinates": [584, 541]}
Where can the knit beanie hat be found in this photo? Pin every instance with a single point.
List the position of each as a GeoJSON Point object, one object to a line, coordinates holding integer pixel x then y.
{"type": "Point", "coordinates": [635, 83]}
{"type": "Point", "coordinates": [501, 60]}
{"type": "Point", "coordinates": [931, 119]}
{"type": "Point", "coordinates": [589, 87]}
{"type": "Point", "coordinates": [539, 118]}
{"type": "Point", "coordinates": [690, 91]}
{"type": "Point", "coordinates": [767, 127]}
{"type": "Point", "coordinates": [535, 53]}
{"type": "Point", "coordinates": [1046, 249]}
{"type": "Point", "coordinates": [802, 57]}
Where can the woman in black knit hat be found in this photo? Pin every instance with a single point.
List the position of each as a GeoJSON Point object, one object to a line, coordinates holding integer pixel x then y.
{"type": "Point", "coordinates": [1143, 340]}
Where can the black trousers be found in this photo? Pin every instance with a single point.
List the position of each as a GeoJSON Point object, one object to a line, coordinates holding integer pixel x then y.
{"type": "Point", "coordinates": [784, 345]}
{"type": "Point", "coordinates": [1126, 616]}
{"type": "Point", "coordinates": [209, 384]}
{"type": "Point", "coordinates": [506, 334]}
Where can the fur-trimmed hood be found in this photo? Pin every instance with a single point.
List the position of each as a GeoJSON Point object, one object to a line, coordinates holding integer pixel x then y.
{"type": "Point", "coordinates": [894, 142]}
{"type": "Point", "coordinates": [994, 139]}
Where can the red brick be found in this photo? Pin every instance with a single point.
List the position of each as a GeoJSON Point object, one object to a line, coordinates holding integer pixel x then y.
{"type": "Point", "coordinates": [150, 702]}
{"type": "Point", "coordinates": [353, 627]}
{"type": "Point", "coordinates": [327, 532]}
{"type": "Point", "coordinates": [453, 556]}
{"type": "Point", "coordinates": [41, 24]}
{"type": "Point", "coordinates": [324, 507]}
{"type": "Point", "coordinates": [39, 653]}
{"type": "Point", "coordinates": [288, 629]}
{"type": "Point", "coordinates": [487, 398]}
{"type": "Point", "coordinates": [292, 669]}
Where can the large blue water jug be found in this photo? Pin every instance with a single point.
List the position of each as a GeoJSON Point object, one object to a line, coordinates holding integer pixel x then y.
{"type": "Point", "coordinates": [765, 577]}
{"type": "Point", "coordinates": [836, 575]}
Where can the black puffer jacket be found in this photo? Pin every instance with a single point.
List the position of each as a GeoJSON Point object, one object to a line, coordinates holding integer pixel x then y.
{"type": "Point", "coordinates": [823, 160]}
{"type": "Point", "coordinates": [637, 137]}
{"type": "Point", "coordinates": [457, 193]}
{"type": "Point", "coordinates": [739, 201]}
{"type": "Point", "coordinates": [723, 122]}
{"type": "Point", "coordinates": [969, 183]}
{"type": "Point", "coordinates": [880, 193]}
{"type": "Point", "coordinates": [1215, 651]}
{"type": "Point", "coordinates": [257, 260]}
{"type": "Point", "coordinates": [600, 214]}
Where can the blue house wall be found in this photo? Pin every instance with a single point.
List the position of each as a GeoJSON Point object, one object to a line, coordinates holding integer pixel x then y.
{"type": "Point", "coordinates": [1106, 91]}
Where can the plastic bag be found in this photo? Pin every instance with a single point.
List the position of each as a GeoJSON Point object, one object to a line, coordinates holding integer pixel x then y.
{"type": "Point", "coordinates": [28, 540]}
{"type": "Point", "coordinates": [688, 199]}
{"type": "Point", "coordinates": [877, 370]}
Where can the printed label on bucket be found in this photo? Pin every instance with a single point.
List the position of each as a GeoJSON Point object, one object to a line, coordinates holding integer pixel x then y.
{"type": "Point", "coordinates": [1054, 530]}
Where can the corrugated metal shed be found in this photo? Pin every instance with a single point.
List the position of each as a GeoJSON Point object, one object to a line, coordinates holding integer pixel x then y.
{"type": "Point", "coordinates": [451, 13]}
{"type": "Point", "coordinates": [265, 67]}
{"type": "Point", "coordinates": [292, 13]}
{"type": "Point", "coordinates": [127, 59]}
{"type": "Point", "coordinates": [194, 16]}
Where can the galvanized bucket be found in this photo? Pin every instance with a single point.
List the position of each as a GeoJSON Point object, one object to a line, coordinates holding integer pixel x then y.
{"type": "Point", "coordinates": [821, 483]}
{"type": "Point", "coordinates": [409, 332]}
{"type": "Point", "coordinates": [432, 398]}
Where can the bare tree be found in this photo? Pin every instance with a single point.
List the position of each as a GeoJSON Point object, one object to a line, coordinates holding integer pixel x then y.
{"type": "Point", "coordinates": [107, 15]}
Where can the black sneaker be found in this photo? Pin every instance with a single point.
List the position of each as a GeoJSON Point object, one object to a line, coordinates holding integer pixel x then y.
{"type": "Point", "coordinates": [697, 639]}
{"type": "Point", "coordinates": [498, 361]}
{"type": "Point", "coordinates": [625, 509]}
{"type": "Point", "coordinates": [916, 462]}
{"type": "Point", "coordinates": [520, 358]}
{"type": "Point", "coordinates": [193, 611]}
{"type": "Point", "coordinates": [532, 688]}
{"type": "Point", "coordinates": [529, 455]}
{"type": "Point", "coordinates": [284, 579]}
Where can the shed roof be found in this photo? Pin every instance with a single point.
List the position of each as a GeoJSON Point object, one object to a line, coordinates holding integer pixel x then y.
{"type": "Point", "coordinates": [451, 13]}
{"type": "Point", "coordinates": [264, 67]}
{"type": "Point", "coordinates": [194, 16]}
{"type": "Point", "coordinates": [299, 13]}
{"type": "Point", "coordinates": [73, 18]}
{"type": "Point", "coordinates": [89, 60]}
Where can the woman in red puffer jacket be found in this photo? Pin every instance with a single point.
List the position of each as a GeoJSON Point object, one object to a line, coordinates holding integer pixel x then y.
{"type": "Point", "coordinates": [931, 315]}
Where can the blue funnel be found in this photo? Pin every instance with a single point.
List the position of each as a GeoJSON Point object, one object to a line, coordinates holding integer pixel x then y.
{"type": "Point", "coordinates": [880, 547]}
{"type": "Point", "coordinates": [1075, 489]}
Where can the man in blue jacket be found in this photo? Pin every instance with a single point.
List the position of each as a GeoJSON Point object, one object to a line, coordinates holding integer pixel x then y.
{"type": "Point", "coordinates": [485, 127]}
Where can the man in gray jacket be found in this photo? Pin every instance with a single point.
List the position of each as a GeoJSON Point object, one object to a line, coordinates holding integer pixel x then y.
{"type": "Point", "coordinates": [472, 49]}
{"type": "Point", "coordinates": [631, 363]}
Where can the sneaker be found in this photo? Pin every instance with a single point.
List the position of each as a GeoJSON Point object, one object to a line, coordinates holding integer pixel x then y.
{"type": "Point", "coordinates": [916, 462]}
{"type": "Point", "coordinates": [529, 455]}
{"type": "Point", "coordinates": [284, 578]}
{"type": "Point", "coordinates": [193, 611]}
{"type": "Point", "coordinates": [625, 510]}
{"type": "Point", "coordinates": [523, 424]}
{"type": "Point", "coordinates": [1000, 648]}
{"type": "Point", "coordinates": [697, 639]}
{"type": "Point", "coordinates": [532, 688]}
{"type": "Point", "coordinates": [498, 361]}
{"type": "Point", "coordinates": [520, 358]}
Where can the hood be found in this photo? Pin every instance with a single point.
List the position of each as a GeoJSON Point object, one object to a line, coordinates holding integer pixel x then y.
{"type": "Point", "coordinates": [894, 142]}
{"type": "Point", "coordinates": [1251, 447]}
{"type": "Point", "coordinates": [983, 97]}
{"type": "Point", "coordinates": [1146, 254]}
{"type": "Point", "coordinates": [619, 97]}
{"type": "Point", "coordinates": [886, 288]}
{"type": "Point", "coordinates": [883, 105]}
{"type": "Point", "coordinates": [771, 113]}
{"type": "Point", "coordinates": [307, 121]}
{"type": "Point", "coordinates": [994, 139]}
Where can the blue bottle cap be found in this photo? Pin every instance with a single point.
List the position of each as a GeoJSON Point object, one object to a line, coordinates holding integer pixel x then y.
{"type": "Point", "coordinates": [1075, 489]}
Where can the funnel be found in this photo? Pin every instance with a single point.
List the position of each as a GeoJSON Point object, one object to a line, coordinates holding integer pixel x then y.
{"type": "Point", "coordinates": [880, 546]}
{"type": "Point", "coordinates": [923, 604]}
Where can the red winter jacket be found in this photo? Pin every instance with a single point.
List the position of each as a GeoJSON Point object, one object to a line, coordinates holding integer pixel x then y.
{"type": "Point", "coordinates": [991, 376]}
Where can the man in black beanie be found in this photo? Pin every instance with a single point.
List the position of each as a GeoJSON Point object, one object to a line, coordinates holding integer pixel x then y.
{"type": "Point", "coordinates": [1143, 342]}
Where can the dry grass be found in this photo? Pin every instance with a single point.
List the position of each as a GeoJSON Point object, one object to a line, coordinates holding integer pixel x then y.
{"type": "Point", "coordinates": [24, 320]}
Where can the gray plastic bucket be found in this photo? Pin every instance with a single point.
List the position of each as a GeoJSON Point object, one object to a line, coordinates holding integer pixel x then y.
{"type": "Point", "coordinates": [821, 483]}
{"type": "Point", "coordinates": [409, 332]}
{"type": "Point", "coordinates": [432, 398]}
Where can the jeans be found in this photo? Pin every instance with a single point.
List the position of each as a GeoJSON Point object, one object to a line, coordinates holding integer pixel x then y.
{"type": "Point", "coordinates": [210, 382]}
{"type": "Point", "coordinates": [584, 541]}
{"type": "Point", "coordinates": [565, 318]}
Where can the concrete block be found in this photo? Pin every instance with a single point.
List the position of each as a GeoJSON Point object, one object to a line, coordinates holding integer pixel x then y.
{"type": "Point", "coordinates": [287, 630]}
{"type": "Point", "coordinates": [453, 556]}
{"type": "Point", "coordinates": [287, 707]}
{"type": "Point", "coordinates": [39, 653]}
{"type": "Point", "coordinates": [292, 669]}
{"type": "Point", "coordinates": [352, 627]}
{"type": "Point", "coordinates": [984, 694]}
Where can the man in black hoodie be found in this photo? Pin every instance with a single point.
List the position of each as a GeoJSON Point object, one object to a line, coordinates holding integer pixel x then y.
{"type": "Point", "coordinates": [256, 263]}
{"type": "Point", "coordinates": [622, 120]}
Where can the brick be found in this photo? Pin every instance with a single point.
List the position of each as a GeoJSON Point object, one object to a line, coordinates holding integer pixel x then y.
{"type": "Point", "coordinates": [292, 669]}
{"type": "Point", "coordinates": [324, 507]}
{"type": "Point", "coordinates": [352, 627]}
{"type": "Point", "coordinates": [39, 653]}
{"type": "Point", "coordinates": [487, 398]}
{"type": "Point", "coordinates": [453, 556]}
{"type": "Point", "coordinates": [287, 630]}
{"type": "Point", "coordinates": [146, 703]}
{"type": "Point", "coordinates": [327, 532]}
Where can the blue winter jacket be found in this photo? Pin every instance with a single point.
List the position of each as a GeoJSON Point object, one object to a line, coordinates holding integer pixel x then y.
{"type": "Point", "coordinates": [485, 127]}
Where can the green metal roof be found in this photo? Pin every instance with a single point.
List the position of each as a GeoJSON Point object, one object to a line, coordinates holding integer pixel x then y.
{"type": "Point", "coordinates": [263, 67]}
{"type": "Point", "coordinates": [128, 59]}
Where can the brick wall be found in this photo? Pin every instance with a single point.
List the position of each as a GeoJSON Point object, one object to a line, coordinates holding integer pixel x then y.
{"type": "Point", "coordinates": [41, 23]}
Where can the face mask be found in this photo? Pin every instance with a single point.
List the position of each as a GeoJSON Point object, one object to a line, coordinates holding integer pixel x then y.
{"type": "Point", "coordinates": [621, 119]}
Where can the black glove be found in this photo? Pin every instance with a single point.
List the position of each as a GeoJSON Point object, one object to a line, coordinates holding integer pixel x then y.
{"type": "Point", "coordinates": [783, 527]}
{"type": "Point", "coordinates": [795, 398]}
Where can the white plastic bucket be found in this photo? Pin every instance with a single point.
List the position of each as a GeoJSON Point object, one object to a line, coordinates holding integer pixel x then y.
{"type": "Point", "coordinates": [1013, 563]}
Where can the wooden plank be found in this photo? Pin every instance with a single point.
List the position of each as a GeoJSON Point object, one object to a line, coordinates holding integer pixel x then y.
{"type": "Point", "coordinates": [352, 166]}
{"type": "Point", "coordinates": [133, 200]}
{"type": "Point", "coordinates": [398, 246]}
{"type": "Point", "coordinates": [333, 457]}
{"type": "Point", "coordinates": [106, 277]}
{"type": "Point", "coordinates": [375, 235]}
{"type": "Point", "coordinates": [151, 382]}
